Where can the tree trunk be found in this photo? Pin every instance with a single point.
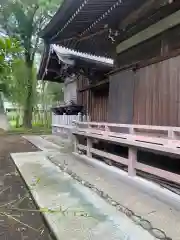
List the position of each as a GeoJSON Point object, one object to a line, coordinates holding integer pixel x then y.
{"type": "Point", "coordinates": [28, 106]}
{"type": "Point", "coordinates": [27, 120]}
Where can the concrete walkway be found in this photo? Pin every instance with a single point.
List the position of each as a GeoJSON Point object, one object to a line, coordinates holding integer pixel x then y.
{"type": "Point", "coordinates": [72, 210]}
{"type": "Point", "coordinates": [160, 215]}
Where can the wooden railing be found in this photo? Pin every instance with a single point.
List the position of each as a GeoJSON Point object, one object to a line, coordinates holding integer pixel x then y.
{"type": "Point", "coordinates": [165, 131]}
{"type": "Point", "coordinates": [157, 139]}
{"type": "Point", "coordinates": [60, 122]}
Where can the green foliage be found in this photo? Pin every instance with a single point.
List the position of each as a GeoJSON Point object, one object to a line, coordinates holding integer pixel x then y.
{"type": "Point", "coordinates": [34, 130]}
{"type": "Point", "coordinates": [14, 85]}
{"type": "Point", "coordinates": [23, 19]}
{"type": "Point", "coordinates": [9, 51]}
{"type": "Point", "coordinates": [55, 91]}
{"type": "Point", "coordinates": [19, 83]}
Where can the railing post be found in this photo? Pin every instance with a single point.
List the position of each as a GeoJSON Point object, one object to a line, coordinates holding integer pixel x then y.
{"type": "Point", "coordinates": [84, 118]}
{"type": "Point", "coordinates": [68, 119]}
{"type": "Point", "coordinates": [171, 134]}
{"type": "Point", "coordinates": [131, 130]}
{"type": "Point", "coordinates": [76, 142]}
{"type": "Point", "coordinates": [79, 117]}
{"type": "Point", "coordinates": [63, 119]}
{"type": "Point", "coordinates": [132, 160]}
{"type": "Point", "coordinates": [107, 130]}
{"type": "Point", "coordinates": [88, 118]}
{"type": "Point", "coordinates": [89, 146]}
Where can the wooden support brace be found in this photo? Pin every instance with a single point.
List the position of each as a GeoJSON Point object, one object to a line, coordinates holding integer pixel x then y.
{"type": "Point", "coordinates": [89, 146]}
{"type": "Point", "coordinates": [132, 160]}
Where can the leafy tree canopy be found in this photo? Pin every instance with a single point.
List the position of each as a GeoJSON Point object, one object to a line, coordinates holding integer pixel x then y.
{"type": "Point", "coordinates": [55, 90]}
{"type": "Point", "coordinates": [10, 50]}
{"type": "Point", "coordinates": [23, 19]}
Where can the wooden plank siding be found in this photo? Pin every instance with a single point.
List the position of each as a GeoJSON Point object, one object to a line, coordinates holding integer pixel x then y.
{"type": "Point", "coordinates": [121, 93]}
{"type": "Point", "coordinates": [99, 106]}
{"type": "Point", "coordinates": [95, 101]}
{"type": "Point", "coordinates": [157, 94]}
{"type": "Point", "coordinates": [156, 65]}
{"type": "Point", "coordinates": [147, 96]}
{"type": "Point", "coordinates": [82, 95]}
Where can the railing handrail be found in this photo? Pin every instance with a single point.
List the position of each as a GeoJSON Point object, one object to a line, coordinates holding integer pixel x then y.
{"type": "Point", "coordinates": [65, 119]}
{"type": "Point", "coordinates": [164, 145]}
{"type": "Point", "coordinates": [129, 126]}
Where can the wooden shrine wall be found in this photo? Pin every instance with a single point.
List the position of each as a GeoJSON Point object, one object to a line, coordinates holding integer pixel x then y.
{"type": "Point", "coordinates": [157, 94]}
{"type": "Point", "coordinates": [82, 96]}
{"type": "Point", "coordinates": [120, 104]}
{"type": "Point", "coordinates": [95, 101]}
{"type": "Point", "coordinates": [99, 104]}
{"type": "Point", "coordinates": [148, 96]}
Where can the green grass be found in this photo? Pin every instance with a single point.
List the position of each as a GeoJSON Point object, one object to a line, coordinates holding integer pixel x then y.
{"type": "Point", "coordinates": [12, 123]}
{"type": "Point", "coordinates": [34, 131]}
{"type": "Point", "coordinates": [37, 128]}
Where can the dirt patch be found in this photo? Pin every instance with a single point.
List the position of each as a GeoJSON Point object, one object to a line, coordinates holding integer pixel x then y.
{"type": "Point", "coordinates": [19, 218]}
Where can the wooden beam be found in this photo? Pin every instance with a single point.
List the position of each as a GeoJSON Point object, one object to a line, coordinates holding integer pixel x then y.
{"type": "Point", "coordinates": [152, 31]}
{"type": "Point", "coordinates": [106, 155]}
{"type": "Point", "coordinates": [54, 71]}
{"type": "Point", "coordinates": [144, 63]}
{"type": "Point", "coordinates": [94, 85]}
{"type": "Point", "coordinates": [173, 177]}
{"type": "Point", "coordinates": [143, 127]}
{"type": "Point", "coordinates": [150, 5]}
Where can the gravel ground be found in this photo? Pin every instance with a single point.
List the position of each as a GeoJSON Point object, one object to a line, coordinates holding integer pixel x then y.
{"type": "Point", "coordinates": [19, 218]}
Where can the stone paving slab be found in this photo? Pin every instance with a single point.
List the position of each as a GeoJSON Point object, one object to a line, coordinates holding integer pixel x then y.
{"type": "Point", "coordinates": [72, 210]}
{"type": "Point", "coordinates": [161, 215]}
{"type": "Point", "coordinates": [43, 144]}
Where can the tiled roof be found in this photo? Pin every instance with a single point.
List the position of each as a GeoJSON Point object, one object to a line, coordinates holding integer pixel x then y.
{"type": "Point", "coordinates": [66, 51]}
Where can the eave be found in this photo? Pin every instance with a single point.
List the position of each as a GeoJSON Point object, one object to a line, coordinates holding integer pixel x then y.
{"type": "Point", "coordinates": [58, 62]}
{"type": "Point", "coordinates": [85, 25]}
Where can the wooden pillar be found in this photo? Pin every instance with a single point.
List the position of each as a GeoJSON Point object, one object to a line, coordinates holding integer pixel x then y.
{"type": "Point", "coordinates": [76, 142]}
{"type": "Point", "coordinates": [132, 160]}
{"type": "Point", "coordinates": [89, 146]}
